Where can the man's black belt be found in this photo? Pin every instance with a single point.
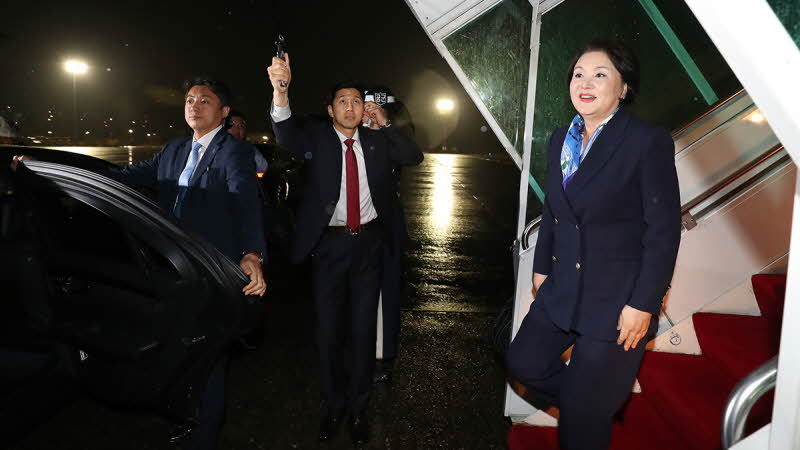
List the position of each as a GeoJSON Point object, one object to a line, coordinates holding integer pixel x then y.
{"type": "Point", "coordinates": [346, 230]}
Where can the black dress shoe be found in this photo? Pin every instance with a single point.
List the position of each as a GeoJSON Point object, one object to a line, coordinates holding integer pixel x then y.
{"type": "Point", "coordinates": [330, 424]}
{"type": "Point", "coordinates": [383, 371]}
{"type": "Point", "coordinates": [246, 345]}
{"type": "Point", "coordinates": [383, 377]}
{"type": "Point", "coordinates": [359, 429]}
{"type": "Point", "coordinates": [180, 434]}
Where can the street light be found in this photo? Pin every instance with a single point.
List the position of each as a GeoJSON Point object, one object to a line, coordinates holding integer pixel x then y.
{"type": "Point", "coordinates": [445, 107]}
{"type": "Point", "coordinates": [75, 68]}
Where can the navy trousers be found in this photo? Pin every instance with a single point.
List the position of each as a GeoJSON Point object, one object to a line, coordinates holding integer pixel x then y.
{"type": "Point", "coordinates": [589, 391]}
{"type": "Point", "coordinates": [392, 283]}
{"type": "Point", "coordinates": [391, 297]}
{"type": "Point", "coordinates": [205, 435]}
{"type": "Point", "coordinates": [346, 272]}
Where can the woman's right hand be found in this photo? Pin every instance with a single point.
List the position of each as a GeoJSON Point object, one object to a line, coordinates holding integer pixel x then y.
{"type": "Point", "coordinates": [538, 279]}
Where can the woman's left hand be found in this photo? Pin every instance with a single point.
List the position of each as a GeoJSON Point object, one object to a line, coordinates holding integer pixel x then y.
{"type": "Point", "coordinates": [632, 326]}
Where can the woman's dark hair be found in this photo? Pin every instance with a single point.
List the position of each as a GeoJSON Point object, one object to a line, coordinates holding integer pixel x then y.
{"type": "Point", "coordinates": [345, 84]}
{"type": "Point", "coordinates": [623, 58]}
{"type": "Point", "coordinates": [219, 88]}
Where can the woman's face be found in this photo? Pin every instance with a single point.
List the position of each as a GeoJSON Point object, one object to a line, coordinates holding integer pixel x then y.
{"type": "Point", "coordinates": [596, 86]}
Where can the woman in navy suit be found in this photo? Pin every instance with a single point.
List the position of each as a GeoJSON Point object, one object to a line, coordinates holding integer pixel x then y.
{"type": "Point", "coordinates": [605, 253]}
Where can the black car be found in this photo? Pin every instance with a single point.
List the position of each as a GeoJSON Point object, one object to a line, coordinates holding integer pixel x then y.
{"type": "Point", "coordinates": [282, 186]}
{"type": "Point", "coordinates": [102, 293]}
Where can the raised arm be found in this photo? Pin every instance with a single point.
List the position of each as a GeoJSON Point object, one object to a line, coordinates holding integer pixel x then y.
{"type": "Point", "coordinates": [403, 150]}
{"type": "Point", "coordinates": [287, 132]}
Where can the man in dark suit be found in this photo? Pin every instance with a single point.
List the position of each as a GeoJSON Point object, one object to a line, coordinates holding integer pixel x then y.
{"type": "Point", "coordinates": [208, 182]}
{"type": "Point", "coordinates": [392, 288]}
{"type": "Point", "coordinates": [340, 223]}
{"type": "Point", "coordinates": [236, 126]}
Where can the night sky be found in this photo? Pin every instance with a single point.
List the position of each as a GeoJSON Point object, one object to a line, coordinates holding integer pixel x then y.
{"type": "Point", "coordinates": [140, 52]}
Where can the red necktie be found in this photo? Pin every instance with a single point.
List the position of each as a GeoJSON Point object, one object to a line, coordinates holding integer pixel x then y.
{"type": "Point", "coordinates": [351, 176]}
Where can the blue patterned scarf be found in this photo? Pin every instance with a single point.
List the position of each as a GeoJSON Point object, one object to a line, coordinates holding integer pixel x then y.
{"type": "Point", "coordinates": [572, 151]}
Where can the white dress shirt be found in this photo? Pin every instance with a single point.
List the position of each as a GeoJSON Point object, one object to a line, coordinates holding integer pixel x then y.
{"type": "Point", "coordinates": [339, 217]}
{"type": "Point", "coordinates": [204, 141]}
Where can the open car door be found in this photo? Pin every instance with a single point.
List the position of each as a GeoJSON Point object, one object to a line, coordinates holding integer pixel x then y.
{"type": "Point", "coordinates": [132, 307]}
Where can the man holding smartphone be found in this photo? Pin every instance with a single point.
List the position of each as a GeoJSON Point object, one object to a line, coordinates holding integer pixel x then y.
{"type": "Point", "coordinates": [343, 223]}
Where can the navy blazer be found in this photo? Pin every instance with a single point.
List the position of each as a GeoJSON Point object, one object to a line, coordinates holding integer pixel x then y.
{"type": "Point", "coordinates": [612, 237]}
{"type": "Point", "coordinates": [221, 202]}
{"type": "Point", "coordinates": [318, 143]}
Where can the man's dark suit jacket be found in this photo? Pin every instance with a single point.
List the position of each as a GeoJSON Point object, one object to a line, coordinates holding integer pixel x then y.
{"type": "Point", "coordinates": [221, 203]}
{"type": "Point", "coordinates": [318, 143]}
{"type": "Point", "coordinates": [612, 237]}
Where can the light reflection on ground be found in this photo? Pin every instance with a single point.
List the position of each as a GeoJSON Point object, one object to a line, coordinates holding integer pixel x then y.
{"type": "Point", "coordinates": [442, 201]}
{"type": "Point", "coordinates": [460, 211]}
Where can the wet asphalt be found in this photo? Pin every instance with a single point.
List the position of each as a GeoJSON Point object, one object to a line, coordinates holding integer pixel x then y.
{"type": "Point", "coordinates": [448, 388]}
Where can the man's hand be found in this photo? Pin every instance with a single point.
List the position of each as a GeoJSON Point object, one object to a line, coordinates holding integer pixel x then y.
{"type": "Point", "coordinates": [632, 326]}
{"type": "Point", "coordinates": [376, 113]}
{"type": "Point", "coordinates": [367, 121]}
{"type": "Point", "coordinates": [17, 158]}
{"type": "Point", "coordinates": [251, 266]}
{"type": "Point", "coordinates": [538, 279]}
{"type": "Point", "coordinates": [280, 70]}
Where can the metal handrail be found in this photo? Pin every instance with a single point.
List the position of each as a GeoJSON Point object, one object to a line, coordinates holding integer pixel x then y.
{"type": "Point", "coordinates": [681, 130]}
{"type": "Point", "coordinates": [528, 230]}
{"type": "Point", "coordinates": [689, 221]}
{"type": "Point", "coordinates": [742, 399]}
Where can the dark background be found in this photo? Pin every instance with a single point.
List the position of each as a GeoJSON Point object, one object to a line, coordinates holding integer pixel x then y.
{"type": "Point", "coordinates": [140, 52]}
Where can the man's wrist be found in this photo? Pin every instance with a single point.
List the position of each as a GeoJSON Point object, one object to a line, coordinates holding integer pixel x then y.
{"type": "Point", "coordinates": [280, 99]}
{"type": "Point", "coordinates": [255, 253]}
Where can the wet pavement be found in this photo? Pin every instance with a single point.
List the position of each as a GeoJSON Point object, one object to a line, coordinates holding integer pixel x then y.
{"type": "Point", "coordinates": [448, 388]}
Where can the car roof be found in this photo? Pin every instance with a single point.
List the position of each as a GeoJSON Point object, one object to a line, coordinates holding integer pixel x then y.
{"type": "Point", "coordinates": [60, 156]}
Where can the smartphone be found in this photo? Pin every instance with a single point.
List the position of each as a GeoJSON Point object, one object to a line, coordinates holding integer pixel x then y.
{"type": "Point", "coordinates": [280, 50]}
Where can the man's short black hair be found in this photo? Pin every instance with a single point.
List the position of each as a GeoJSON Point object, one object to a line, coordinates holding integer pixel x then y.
{"type": "Point", "coordinates": [231, 115]}
{"type": "Point", "coordinates": [623, 58]}
{"type": "Point", "coordinates": [219, 88]}
{"type": "Point", "coordinates": [345, 84]}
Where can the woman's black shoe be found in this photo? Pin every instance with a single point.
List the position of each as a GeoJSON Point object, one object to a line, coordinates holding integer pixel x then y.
{"type": "Point", "coordinates": [330, 425]}
{"type": "Point", "coordinates": [359, 429]}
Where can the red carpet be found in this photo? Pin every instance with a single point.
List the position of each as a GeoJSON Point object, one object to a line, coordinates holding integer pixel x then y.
{"type": "Point", "coordinates": [683, 396]}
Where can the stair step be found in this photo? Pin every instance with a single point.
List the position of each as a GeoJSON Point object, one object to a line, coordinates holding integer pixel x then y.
{"type": "Point", "coordinates": [770, 291]}
{"type": "Point", "coordinates": [739, 344]}
{"type": "Point", "coordinates": [689, 392]}
{"type": "Point", "coordinates": [644, 428]}
{"type": "Point", "coordinates": [529, 437]}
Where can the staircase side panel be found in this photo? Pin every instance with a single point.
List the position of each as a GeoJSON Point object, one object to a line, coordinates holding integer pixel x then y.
{"type": "Point", "coordinates": [729, 246]}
